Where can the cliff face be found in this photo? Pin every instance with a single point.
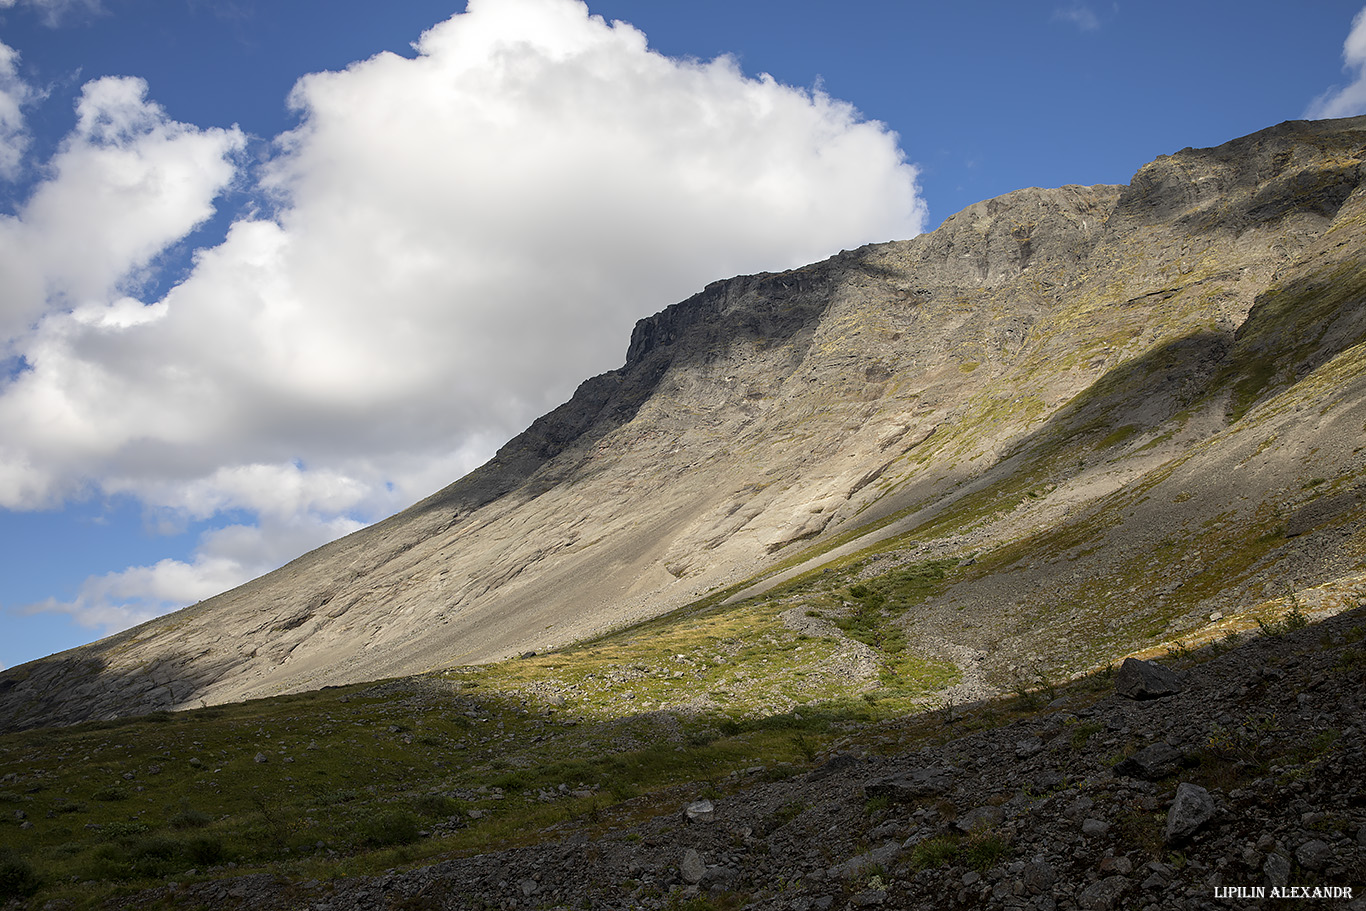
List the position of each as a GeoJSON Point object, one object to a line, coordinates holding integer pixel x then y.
{"type": "Point", "coordinates": [1120, 395]}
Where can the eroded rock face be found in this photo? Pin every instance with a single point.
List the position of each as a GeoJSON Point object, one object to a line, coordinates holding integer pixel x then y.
{"type": "Point", "coordinates": [1132, 328]}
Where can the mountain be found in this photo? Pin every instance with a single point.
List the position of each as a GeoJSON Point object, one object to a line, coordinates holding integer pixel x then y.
{"type": "Point", "coordinates": [1122, 409]}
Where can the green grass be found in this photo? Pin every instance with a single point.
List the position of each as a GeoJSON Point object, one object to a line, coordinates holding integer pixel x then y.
{"type": "Point", "coordinates": [362, 778]}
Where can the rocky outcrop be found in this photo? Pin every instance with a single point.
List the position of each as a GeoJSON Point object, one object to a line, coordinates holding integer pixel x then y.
{"type": "Point", "coordinates": [1157, 383]}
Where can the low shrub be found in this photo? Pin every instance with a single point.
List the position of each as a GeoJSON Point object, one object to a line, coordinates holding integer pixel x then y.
{"type": "Point", "coordinates": [393, 827]}
{"type": "Point", "coordinates": [17, 879]}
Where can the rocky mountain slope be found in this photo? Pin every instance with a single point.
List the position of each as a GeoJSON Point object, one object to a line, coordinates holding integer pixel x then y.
{"type": "Point", "coordinates": [1245, 773]}
{"type": "Point", "coordinates": [1125, 409]}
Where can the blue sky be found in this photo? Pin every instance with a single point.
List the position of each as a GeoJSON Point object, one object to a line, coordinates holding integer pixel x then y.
{"type": "Point", "coordinates": [274, 270]}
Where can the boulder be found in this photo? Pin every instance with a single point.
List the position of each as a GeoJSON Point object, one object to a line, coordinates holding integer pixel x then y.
{"type": "Point", "coordinates": [884, 857]}
{"type": "Point", "coordinates": [1314, 855]}
{"type": "Point", "coordinates": [1191, 809]}
{"type": "Point", "coordinates": [1154, 761]}
{"type": "Point", "coordinates": [1103, 895]}
{"type": "Point", "coordinates": [911, 786]}
{"type": "Point", "coordinates": [692, 869]}
{"type": "Point", "coordinates": [701, 811]}
{"type": "Point", "coordinates": [1145, 680]}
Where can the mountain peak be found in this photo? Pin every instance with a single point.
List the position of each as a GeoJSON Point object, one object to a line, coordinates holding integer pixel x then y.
{"type": "Point", "coordinates": [1066, 381]}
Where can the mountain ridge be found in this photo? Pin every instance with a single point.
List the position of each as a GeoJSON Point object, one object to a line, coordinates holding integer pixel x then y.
{"type": "Point", "coordinates": [1053, 350]}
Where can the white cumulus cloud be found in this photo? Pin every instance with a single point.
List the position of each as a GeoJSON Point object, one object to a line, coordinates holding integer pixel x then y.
{"type": "Point", "coordinates": [125, 184]}
{"type": "Point", "coordinates": [447, 244]}
{"type": "Point", "coordinates": [1348, 100]}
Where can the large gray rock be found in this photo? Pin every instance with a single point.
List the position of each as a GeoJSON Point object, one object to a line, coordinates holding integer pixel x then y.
{"type": "Point", "coordinates": [911, 786]}
{"type": "Point", "coordinates": [1145, 680]}
{"type": "Point", "coordinates": [701, 811]}
{"type": "Point", "coordinates": [1103, 895]}
{"type": "Point", "coordinates": [1154, 761]}
{"type": "Point", "coordinates": [692, 868]}
{"type": "Point", "coordinates": [1191, 809]}
{"type": "Point", "coordinates": [1039, 876]}
{"type": "Point", "coordinates": [1276, 870]}
{"type": "Point", "coordinates": [1314, 855]}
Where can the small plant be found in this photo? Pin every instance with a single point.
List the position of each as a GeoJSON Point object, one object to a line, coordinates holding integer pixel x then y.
{"type": "Point", "coordinates": [935, 852]}
{"type": "Point", "coordinates": [435, 806]}
{"type": "Point", "coordinates": [984, 849]}
{"type": "Point", "coordinates": [1350, 658]}
{"type": "Point", "coordinates": [189, 818]}
{"type": "Point", "coordinates": [875, 807]}
{"type": "Point", "coordinates": [784, 815]}
{"type": "Point", "coordinates": [394, 827]}
{"type": "Point", "coordinates": [111, 793]}
{"type": "Point", "coordinates": [205, 850]}
{"type": "Point", "coordinates": [125, 828]}
{"type": "Point", "coordinates": [1082, 733]}
{"type": "Point", "coordinates": [1293, 619]}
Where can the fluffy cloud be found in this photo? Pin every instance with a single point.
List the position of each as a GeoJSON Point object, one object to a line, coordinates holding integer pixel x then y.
{"type": "Point", "coordinates": [451, 242]}
{"type": "Point", "coordinates": [1349, 100]}
{"type": "Point", "coordinates": [125, 184]}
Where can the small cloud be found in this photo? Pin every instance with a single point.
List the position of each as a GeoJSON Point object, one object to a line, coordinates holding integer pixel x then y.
{"type": "Point", "coordinates": [1349, 100]}
{"type": "Point", "coordinates": [1080, 15]}
{"type": "Point", "coordinates": [225, 558]}
{"type": "Point", "coordinates": [14, 94]}
{"type": "Point", "coordinates": [55, 12]}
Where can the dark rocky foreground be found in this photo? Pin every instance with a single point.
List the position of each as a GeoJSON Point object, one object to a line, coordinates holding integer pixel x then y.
{"type": "Point", "coordinates": [1250, 777]}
